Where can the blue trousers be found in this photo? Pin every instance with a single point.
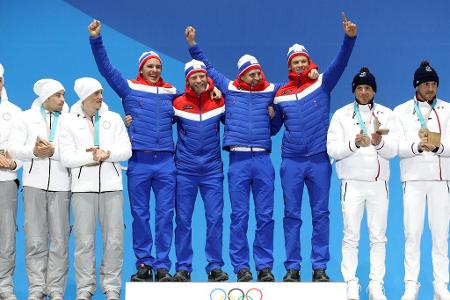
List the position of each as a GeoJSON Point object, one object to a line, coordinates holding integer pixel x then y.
{"type": "Point", "coordinates": [315, 172]}
{"type": "Point", "coordinates": [211, 190]}
{"type": "Point", "coordinates": [251, 171]}
{"type": "Point", "coordinates": [149, 170]}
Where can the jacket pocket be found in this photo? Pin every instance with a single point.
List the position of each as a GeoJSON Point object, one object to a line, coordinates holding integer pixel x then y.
{"type": "Point", "coordinates": [115, 168]}
{"type": "Point", "coordinates": [31, 166]}
{"type": "Point", "coordinates": [79, 172]}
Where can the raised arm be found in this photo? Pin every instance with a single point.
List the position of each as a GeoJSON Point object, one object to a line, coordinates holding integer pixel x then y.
{"type": "Point", "coordinates": [336, 68]}
{"type": "Point", "coordinates": [115, 79]}
{"type": "Point", "coordinates": [196, 53]}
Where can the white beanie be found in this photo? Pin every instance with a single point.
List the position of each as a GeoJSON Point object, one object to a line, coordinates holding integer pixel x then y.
{"type": "Point", "coordinates": [86, 86]}
{"type": "Point", "coordinates": [45, 88]}
{"type": "Point", "coordinates": [247, 62]}
{"type": "Point", "coordinates": [194, 66]}
{"type": "Point", "coordinates": [296, 50]}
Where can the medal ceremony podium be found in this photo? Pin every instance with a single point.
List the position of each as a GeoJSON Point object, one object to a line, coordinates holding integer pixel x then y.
{"type": "Point", "coordinates": [235, 291]}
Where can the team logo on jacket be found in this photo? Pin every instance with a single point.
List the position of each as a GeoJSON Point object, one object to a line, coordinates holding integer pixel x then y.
{"type": "Point", "coordinates": [286, 92]}
{"type": "Point", "coordinates": [186, 107]}
{"type": "Point", "coordinates": [6, 116]}
{"type": "Point", "coordinates": [106, 125]}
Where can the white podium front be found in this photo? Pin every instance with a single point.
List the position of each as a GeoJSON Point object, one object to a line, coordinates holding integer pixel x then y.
{"type": "Point", "coordinates": [235, 291]}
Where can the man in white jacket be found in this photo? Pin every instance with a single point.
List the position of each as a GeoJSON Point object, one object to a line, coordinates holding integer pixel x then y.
{"type": "Point", "coordinates": [93, 142]}
{"type": "Point", "coordinates": [424, 148]}
{"type": "Point", "coordinates": [8, 196]}
{"type": "Point", "coordinates": [356, 141]}
{"type": "Point", "coordinates": [46, 191]}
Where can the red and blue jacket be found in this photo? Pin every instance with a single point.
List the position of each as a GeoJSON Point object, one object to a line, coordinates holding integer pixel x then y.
{"type": "Point", "coordinates": [304, 107]}
{"type": "Point", "coordinates": [198, 120]}
{"type": "Point", "coordinates": [149, 105]}
{"type": "Point", "coordinates": [247, 121]}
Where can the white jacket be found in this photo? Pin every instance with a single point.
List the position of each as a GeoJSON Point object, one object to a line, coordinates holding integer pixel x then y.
{"type": "Point", "coordinates": [42, 173]}
{"type": "Point", "coordinates": [425, 165]}
{"type": "Point", "coordinates": [8, 114]}
{"type": "Point", "coordinates": [365, 163]}
{"type": "Point", "coordinates": [76, 138]}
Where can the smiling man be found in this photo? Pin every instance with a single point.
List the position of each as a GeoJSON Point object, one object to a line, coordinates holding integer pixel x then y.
{"type": "Point", "coordinates": [304, 105]}
{"type": "Point", "coordinates": [199, 168]}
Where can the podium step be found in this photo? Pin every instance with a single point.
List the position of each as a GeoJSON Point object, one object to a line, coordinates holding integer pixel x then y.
{"type": "Point", "coordinates": [235, 291]}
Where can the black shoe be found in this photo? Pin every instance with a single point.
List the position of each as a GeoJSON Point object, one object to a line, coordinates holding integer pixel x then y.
{"type": "Point", "coordinates": [244, 275]}
{"type": "Point", "coordinates": [292, 275]}
{"type": "Point", "coordinates": [162, 275]}
{"type": "Point", "coordinates": [217, 275]}
{"type": "Point", "coordinates": [182, 276]}
{"type": "Point", "coordinates": [320, 275]}
{"type": "Point", "coordinates": [143, 274]}
{"type": "Point", "coordinates": [265, 275]}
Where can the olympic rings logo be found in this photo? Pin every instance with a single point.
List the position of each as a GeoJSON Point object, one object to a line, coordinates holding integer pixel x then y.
{"type": "Point", "coordinates": [236, 294]}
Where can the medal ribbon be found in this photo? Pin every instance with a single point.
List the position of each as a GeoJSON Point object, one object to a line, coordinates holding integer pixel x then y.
{"type": "Point", "coordinates": [362, 125]}
{"type": "Point", "coordinates": [422, 120]}
{"type": "Point", "coordinates": [95, 129]}
{"type": "Point", "coordinates": [52, 129]}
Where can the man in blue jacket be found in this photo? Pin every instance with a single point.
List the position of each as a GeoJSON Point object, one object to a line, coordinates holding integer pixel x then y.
{"type": "Point", "coordinates": [148, 100]}
{"type": "Point", "coordinates": [304, 106]}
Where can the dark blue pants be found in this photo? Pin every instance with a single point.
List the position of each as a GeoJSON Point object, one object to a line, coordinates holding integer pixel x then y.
{"type": "Point", "coordinates": [149, 170]}
{"type": "Point", "coordinates": [251, 171]}
{"type": "Point", "coordinates": [211, 190]}
{"type": "Point", "coordinates": [315, 172]}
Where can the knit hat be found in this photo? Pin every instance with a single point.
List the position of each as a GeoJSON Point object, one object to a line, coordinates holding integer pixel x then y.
{"type": "Point", "coordinates": [425, 73]}
{"type": "Point", "coordinates": [194, 66]}
{"type": "Point", "coordinates": [2, 71]}
{"type": "Point", "coordinates": [246, 63]}
{"type": "Point", "coordinates": [45, 88]}
{"type": "Point", "coordinates": [296, 50]}
{"type": "Point", "coordinates": [86, 86]}
{"type": "Point", "coordinates": [364, 77]}
{"type": "Point", "coordinates": [146, 56]}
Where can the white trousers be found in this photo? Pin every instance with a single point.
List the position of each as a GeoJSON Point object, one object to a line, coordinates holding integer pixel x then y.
{"type": "Point", "coordinates": [355, 196]}
{"type": "Point", "coordinates": [416, 195]}
{"type": "Point", "coordinates": [107, 208]}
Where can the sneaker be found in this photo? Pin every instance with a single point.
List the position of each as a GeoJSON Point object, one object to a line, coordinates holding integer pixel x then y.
{"type": "Point", "coordinates": [353, 288]}
{"type": "Point", "coordinates": [320, 275]}
{"type": "Point", "coordinates": [163, 275]}
{"type": "Point", "coordinates": [56, 296]}
{"type": "Point", "coordinates": [441, 292]}
{"type": "Point", "coordinates": [8, 296]}
{"type": "Point", "coordinates": [376, 291]}
{"type": "Point", "coordinates": [84, 295]}
{"type": "Point", "coordinates": [182, 276]}
{"type": "Point", "coordinates": [36, 296]}
{"type": "Point", "coordinates": [292, 275]}
{"type": "Point", "coordinates": [143, 274]}
{"type": "Point", "coordinates": [244, 275]}
{"type": "Point", "coordinates": [112, 295]}
{"type": "Point", "coordinates": [411, 290]}
{"type": "Point", "coordinates": [265, 275]}
{"type": "Point", "coordinates": [217, 275]}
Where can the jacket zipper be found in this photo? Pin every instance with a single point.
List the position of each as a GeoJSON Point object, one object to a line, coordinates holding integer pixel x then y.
{"type": "Point", "coordinates": [49, 172]}
{"type": "Point", "coordinates": [79, 173]}
{"type": "Point", "coordinates": [157, 116]}
{"type": "Point", "coordinates": [99, 177]}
